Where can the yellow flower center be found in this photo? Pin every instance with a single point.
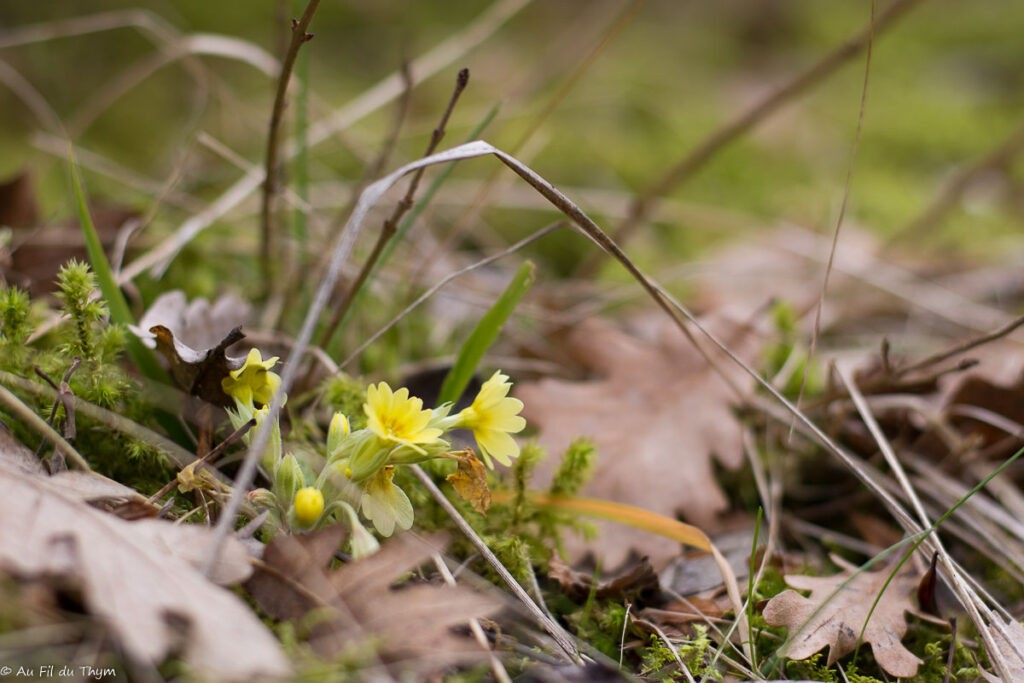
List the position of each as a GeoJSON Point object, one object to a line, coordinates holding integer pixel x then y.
{"type": "Point", "coordinates": [396, 416]}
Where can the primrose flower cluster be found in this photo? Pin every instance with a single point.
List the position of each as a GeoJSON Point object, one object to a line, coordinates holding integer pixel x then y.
{"type": "Point", "coordinates": [357, 477]}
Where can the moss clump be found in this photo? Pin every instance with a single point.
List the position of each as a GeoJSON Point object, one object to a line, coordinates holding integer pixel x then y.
{"type": "Point", "coordinates": [346, 395]}
{"type": "Point", "coordinates": [83, 352]}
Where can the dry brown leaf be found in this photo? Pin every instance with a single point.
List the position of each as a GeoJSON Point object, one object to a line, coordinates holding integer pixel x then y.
{"type": "Point", "coordinates": [412, 622]}
{"type": "Point", "coordinates": [658, 415]}
{"type": "Point", "coordinates": [836, 611]}
{"type": "Point", "coordinates": [15, 454]}
{"type": "Point", "coordinates": [470, 481]}
{"type": "Point", "coordinates": [199, 372]}
{"type": "Point", "coordinates": [636, 583]}
{"type": "Point", "coordinates": [137, 578]}
{"type": "Point", "coordinates": [89, 487]}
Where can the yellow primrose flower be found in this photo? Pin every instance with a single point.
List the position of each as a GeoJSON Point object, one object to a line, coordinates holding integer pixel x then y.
{"type": "Point", "coordinates": [492, 417]}
{"type": "Point", "coordinates": [253, 382]}
{"type": "Point", "coordinates": [309, 505]}
{"type": "Point", "coordinates": [385, 504]}
{"type": "Point", "coordinates": [396, 416]}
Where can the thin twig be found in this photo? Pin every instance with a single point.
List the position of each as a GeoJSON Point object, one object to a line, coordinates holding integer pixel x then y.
{"type": "Point", "coordinates": [960, 348]}
{"type": "Point", "coordinates": [820, 304]}
{"type": "Point", "coordinates": [64, 397]}
{"type": "Point", "coordinates": [688, 166]}
{"type": "Point", "coordinates": [299, 38]}
{"type": "Point", "coordinates": [390, 226]}
{"type": "Point", "coordinates": [564, 640]}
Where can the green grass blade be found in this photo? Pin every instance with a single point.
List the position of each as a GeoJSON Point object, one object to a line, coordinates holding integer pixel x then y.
{"type": "Point", "coordinates": [484, 334]}
{"type": "Point", "coordinates": [142, 356]}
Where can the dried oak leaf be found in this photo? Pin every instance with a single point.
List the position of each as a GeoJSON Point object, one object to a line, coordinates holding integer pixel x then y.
{"type": "Point", "coordinates": [88, 487]}
{"type": "Point", "coordinates": [411, 623]}
{"type": "Point", "coordinates": [199, 372]}
{"type": "Point", "coordinates": [140, 578]}
{"type": "Point", "coordinates": [470, 481]}
{"type": "Point", "coordinates": [837, 610]}
{"type": "Point", "coordinates": [658, 415]}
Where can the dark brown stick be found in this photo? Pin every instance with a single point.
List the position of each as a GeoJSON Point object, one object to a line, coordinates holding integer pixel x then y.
{"type": "Point", "coordinates": [962, 347]}
{"type": "Point", "coordinates": [299, 37]}
{"type": "Point", "coordinates": [390, 226]}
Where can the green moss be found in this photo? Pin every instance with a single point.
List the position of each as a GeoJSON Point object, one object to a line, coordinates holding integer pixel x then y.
{"type": "Point", "coordinates": [576, 467]}
{"type": "Point", "coordinates": [98, 378]}
{"type": "Point", "coordinates": [932, 645]}
{"type": "Point", "coordinates": [347, 395]}
{"type": "Point", "coordinates": [658, 662]}
{"type": "Point", "coordinates": [811, 669]}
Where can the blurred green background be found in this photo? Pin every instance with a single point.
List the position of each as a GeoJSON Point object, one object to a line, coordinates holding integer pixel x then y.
{"type": "Point", "coordinates": [946, 87]}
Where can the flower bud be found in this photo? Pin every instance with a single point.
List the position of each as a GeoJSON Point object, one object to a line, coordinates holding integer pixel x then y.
{"type": "Point", "coordinates": [361, 542]}
{"type": "Point", "coordinates": [288, 478]}
{"type": "Point", "coordinates": [272, 455]}
{"type": "Point", "coordinates": [308, 506]}
{"type": "Point", "coordinates": [338, 430]}
{"type": "Point", "coordinates": [261, 498]}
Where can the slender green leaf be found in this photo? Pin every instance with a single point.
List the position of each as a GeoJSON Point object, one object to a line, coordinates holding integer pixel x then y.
{"type": "Point", "coordinates": [485, 333]}
{"type": "Point", "coordinates": [142, 356]}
